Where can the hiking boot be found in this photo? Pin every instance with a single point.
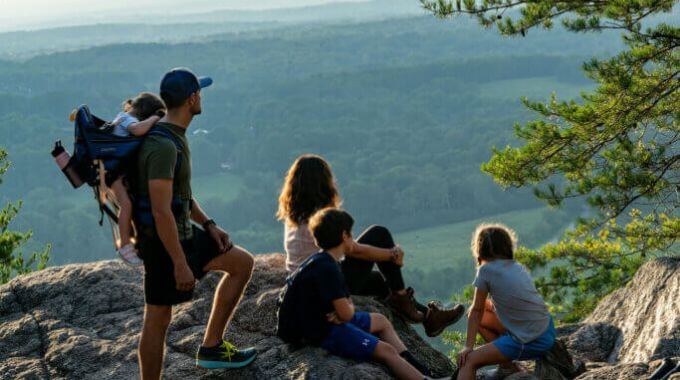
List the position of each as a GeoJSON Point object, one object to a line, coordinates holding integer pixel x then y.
{"type": "Point", "coordinates": [225, 355]}
{"type": "Point", "coordinates": [412, 293]}
{"type": "Point", "coordinates": [128, 254]}
{"type": "Point", "coordinates": [404, 305]}
{"type": "Point", "coordinates": [439, 318]}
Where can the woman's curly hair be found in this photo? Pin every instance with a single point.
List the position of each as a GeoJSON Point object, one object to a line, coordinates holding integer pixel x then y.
{"type": "Point", "coordinates": [309, 186]}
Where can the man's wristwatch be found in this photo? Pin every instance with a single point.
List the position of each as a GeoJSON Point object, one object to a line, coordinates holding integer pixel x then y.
{"type": "Point", "coordinates": [208, 223]}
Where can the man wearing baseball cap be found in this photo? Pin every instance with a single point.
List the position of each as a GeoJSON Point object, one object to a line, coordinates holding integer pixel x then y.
{"type": "Point", "coordinates": [176, 253]}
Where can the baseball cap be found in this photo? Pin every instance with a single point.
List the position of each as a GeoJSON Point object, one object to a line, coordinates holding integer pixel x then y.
{"type": "Point", "coordinates": [179, 83]}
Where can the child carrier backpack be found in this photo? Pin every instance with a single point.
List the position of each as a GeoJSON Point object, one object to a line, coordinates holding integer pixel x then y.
{"type": "Point", "coordinates": [99, 158]}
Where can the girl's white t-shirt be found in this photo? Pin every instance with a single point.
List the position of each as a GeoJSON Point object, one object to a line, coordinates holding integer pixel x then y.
{"type": "Point", "coordinates": [298, 244]}
{"type": "Point", "coordinates": [121, 123]}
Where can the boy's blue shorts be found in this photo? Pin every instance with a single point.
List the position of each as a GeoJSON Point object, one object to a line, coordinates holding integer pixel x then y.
{"type": "Point", "coordinates": [513, 349]}
{"type": "Point", "coordinates": [353, 339]}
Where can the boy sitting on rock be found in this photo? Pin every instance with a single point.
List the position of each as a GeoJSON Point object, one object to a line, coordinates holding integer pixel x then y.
{"type": "Point", "coordinates": [316, 309]}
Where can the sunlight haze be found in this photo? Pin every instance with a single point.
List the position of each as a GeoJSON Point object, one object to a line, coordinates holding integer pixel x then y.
{"type": "Point", "coordinates": [38, 14]}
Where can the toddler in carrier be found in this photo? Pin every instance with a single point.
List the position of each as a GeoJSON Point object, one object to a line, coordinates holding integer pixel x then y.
{"type": "Point", "coordinates": [139, 115]}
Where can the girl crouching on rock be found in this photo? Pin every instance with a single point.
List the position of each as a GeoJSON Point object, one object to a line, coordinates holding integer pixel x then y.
{"type": "Point", "coordinates": [515, 322]}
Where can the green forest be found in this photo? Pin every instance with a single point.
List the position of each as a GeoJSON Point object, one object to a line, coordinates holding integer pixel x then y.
{"type": "Point", "coordinates": [406, 110]}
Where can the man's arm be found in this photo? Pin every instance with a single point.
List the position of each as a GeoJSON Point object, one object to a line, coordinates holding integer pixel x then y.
{"type": "Point", "coordinates": [197, 214]}
{"type": "Point", "coordinates": [220, 236]}
{"type": "Point", "coordinates": [160, 192]}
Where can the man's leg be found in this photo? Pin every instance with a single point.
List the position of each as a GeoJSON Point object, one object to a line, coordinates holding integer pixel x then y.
{"type": "Point", "coordinates": [152, 342]}
{"type": "Point", "coordinates": [238, 264]}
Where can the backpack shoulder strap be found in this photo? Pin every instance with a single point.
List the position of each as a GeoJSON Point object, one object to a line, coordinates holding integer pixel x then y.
{"type": "Point", "coordinates": [143, 204]}
{"type": "Point", "coordinates": [164, 133]}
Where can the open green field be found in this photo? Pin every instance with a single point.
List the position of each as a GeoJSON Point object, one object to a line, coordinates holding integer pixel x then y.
{"type": "Point", "coordinates": [449, 245]}
{"type": "Point", "coordinates": [223, 186]}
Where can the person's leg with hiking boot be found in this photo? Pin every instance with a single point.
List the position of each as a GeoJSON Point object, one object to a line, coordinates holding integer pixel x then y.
{"type": "Point", "coordinates": [388, 281]}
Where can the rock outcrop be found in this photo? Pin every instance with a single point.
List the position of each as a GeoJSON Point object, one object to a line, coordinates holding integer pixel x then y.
{"type": "Point", "coordinates": [82, 322]}
{"type": "Point", "coordinates": [637, 323]}
{"type": "Point", "coordinates": [631, 329]}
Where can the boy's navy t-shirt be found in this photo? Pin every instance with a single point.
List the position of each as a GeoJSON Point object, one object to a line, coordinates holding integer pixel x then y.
{"type": "Point", "coordinates": [309, 298]}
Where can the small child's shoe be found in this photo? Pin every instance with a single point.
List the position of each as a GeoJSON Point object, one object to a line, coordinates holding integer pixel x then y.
{"type": "Point", "coordinates": [128, 254]}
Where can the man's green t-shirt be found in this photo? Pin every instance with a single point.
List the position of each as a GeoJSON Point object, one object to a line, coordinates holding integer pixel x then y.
{"type": "Point", "coordinates": [156, 159]}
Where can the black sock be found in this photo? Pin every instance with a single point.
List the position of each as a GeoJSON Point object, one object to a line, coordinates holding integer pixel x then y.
{"type": "Point", "coordinates": [415, 363]}
{"type": "Point", "coordinates": [211, 347]}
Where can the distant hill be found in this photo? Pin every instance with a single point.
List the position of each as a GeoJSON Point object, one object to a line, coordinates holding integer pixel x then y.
{"type": "Point", "coordinates": [404, 109]}
{"type": "Point", "coordinates": [206, 12]}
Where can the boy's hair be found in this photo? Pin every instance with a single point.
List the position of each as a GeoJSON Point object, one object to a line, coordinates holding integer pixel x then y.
{"type": "Point", "coordinates": [143, 105]}
{"type": "Point", "coordinates": [309, 186]}
{"type": "Point", "coordinates": [493, 241]}
{"type": "Point", "coordinates": [328, 225]}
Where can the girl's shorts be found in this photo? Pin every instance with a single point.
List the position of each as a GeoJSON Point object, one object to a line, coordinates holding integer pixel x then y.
{"type": "Point", "coordinates": [513, 349]}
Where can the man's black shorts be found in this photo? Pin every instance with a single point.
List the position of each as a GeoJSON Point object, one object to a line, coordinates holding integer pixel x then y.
{"type": "Point", "coordinates": [159, 273]}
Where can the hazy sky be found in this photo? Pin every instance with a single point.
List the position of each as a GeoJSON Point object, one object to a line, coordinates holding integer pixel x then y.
{"type": "Point", "coordinates": [31, 14]}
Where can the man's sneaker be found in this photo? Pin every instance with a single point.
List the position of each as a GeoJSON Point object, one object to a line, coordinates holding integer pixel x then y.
{"type": "Point", "coordinates": [128, 254]}
{"type": "Point", "coordinates": [676, 369]}
{"type": "Point", "coordinates": [226, 355]}
{"type": "Point", "coordinates": [405, 306]}
{"type": "Point", "coordinates": [438, 318]}
{"type": "Point", "coordinates": [661, 371]}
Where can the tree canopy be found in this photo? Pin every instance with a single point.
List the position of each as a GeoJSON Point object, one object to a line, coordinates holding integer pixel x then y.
{"type": "Point", "coordinates": [616, 146]}
{"type": "Point", "coordinates": [12, 261]}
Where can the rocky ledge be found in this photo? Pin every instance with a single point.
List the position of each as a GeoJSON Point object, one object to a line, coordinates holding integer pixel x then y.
{"type": "Point", "coordinates": [631, 330]}
{"type": "Point", "coordinates": [82, 321]}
